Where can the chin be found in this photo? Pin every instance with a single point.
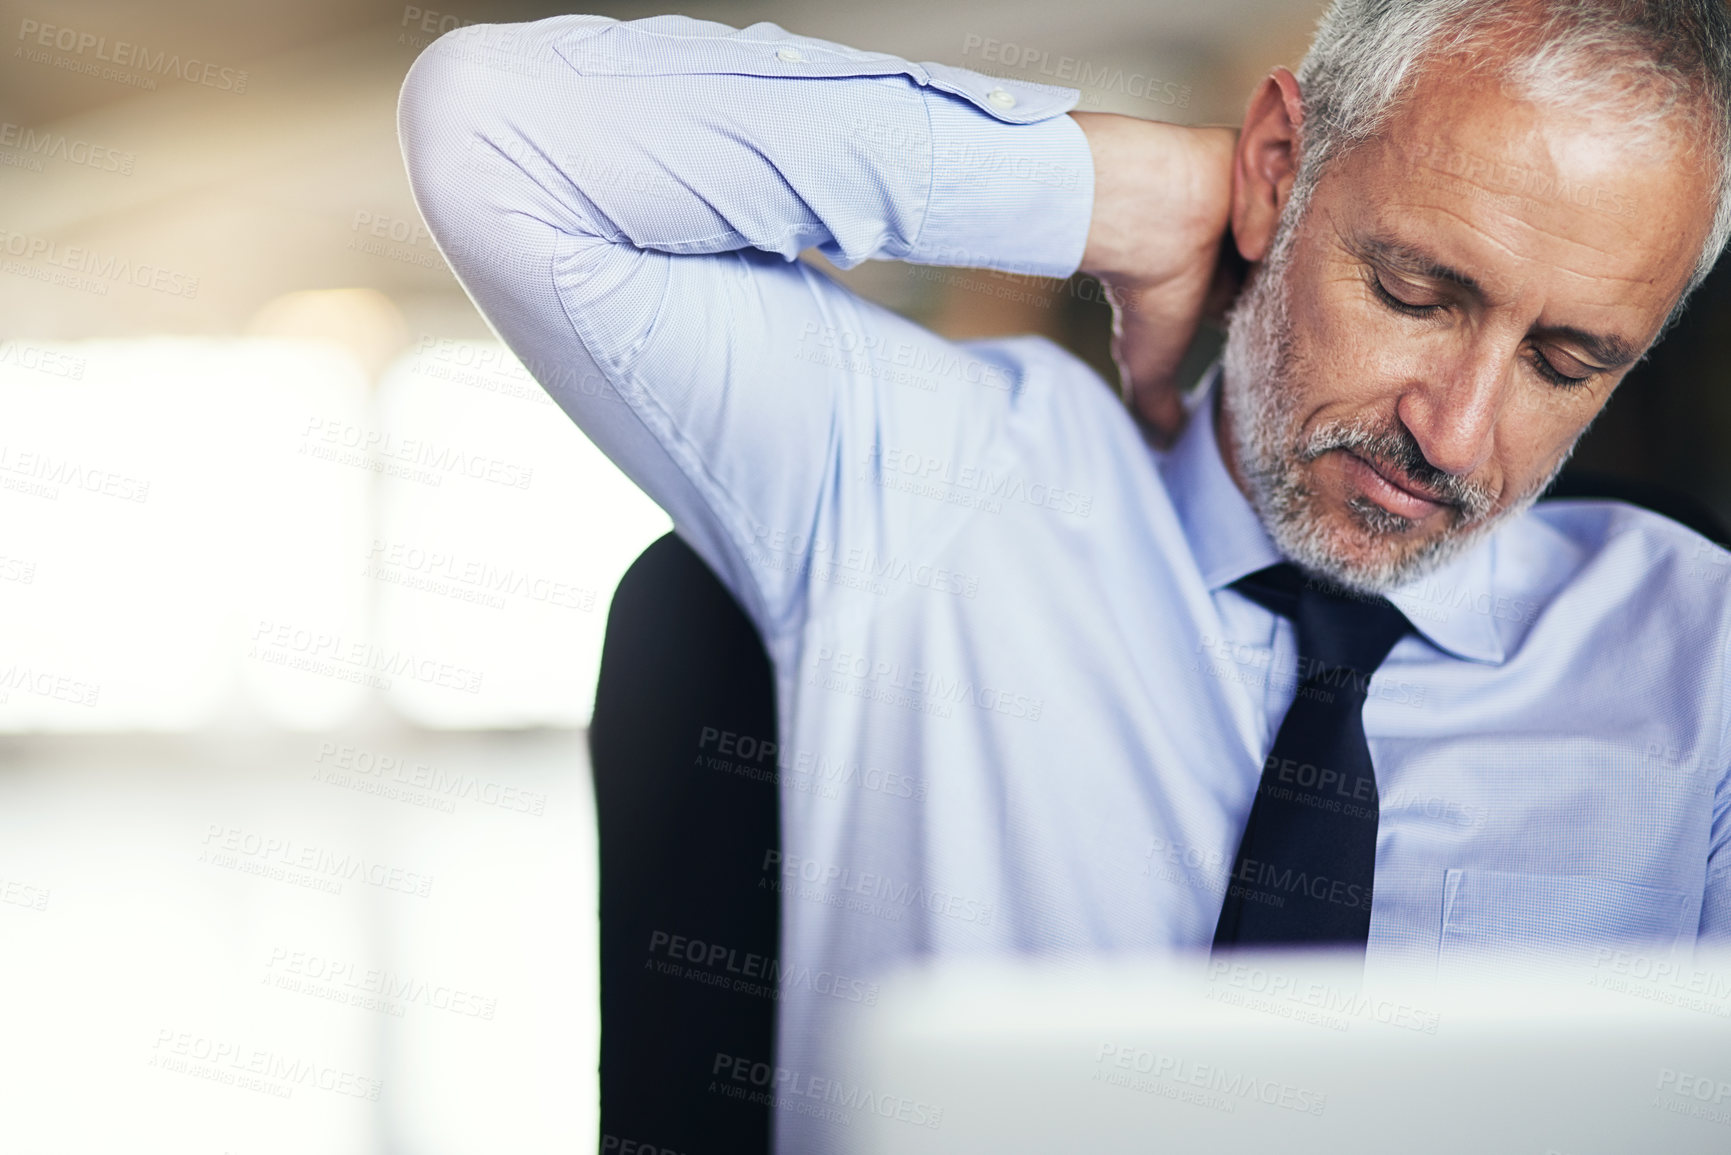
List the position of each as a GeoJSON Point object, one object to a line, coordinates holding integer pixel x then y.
{"type": "Point", "coordinates": [1357, 544]}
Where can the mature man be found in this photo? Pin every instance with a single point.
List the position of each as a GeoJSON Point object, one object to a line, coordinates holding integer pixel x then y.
{"type": "Point", "coordinates": [1129, 687]}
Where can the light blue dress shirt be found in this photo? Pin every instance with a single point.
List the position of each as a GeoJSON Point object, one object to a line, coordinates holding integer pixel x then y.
{"type": "Point", "coordinates": [1019, 708]}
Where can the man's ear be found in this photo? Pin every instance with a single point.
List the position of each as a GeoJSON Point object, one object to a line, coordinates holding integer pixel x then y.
{"type": "Point", "coordinates": [1266, 162]}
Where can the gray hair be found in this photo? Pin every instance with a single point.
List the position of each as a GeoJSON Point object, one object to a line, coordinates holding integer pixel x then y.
{"type": "Point", "coordinates": [1659, 64]}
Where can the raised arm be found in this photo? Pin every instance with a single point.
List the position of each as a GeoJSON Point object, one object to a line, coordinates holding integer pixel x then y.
{"type": "Point", "coordinates": [624, 202]}
{"type": "Point", "coordinates": [1155, 240]}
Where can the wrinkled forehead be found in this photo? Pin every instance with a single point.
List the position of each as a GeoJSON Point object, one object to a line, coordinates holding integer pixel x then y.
{"type": "Point", "coordinates": [1534, 198]}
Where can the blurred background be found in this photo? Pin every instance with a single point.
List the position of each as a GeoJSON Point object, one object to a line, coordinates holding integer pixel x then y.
{"type": "Point", "coordinates": [303, 579]}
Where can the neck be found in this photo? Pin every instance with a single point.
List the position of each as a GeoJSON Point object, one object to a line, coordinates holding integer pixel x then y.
{"type": "Point", "coordinates": [1223, 437]}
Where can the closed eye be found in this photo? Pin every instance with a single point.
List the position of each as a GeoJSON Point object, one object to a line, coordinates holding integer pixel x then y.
{"type": "Point", "coordinates": [1543, 367]}
{"type": "Point", "coordinates": [1539, 362]}
{"type": "Point", "coordinates": [1399, 305]}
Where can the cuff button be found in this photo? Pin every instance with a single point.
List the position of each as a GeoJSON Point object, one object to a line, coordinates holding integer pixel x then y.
{"type": "Point", "coordinates": [789, 55]}
{"type": "Point", "coordinates": [1001, 98]}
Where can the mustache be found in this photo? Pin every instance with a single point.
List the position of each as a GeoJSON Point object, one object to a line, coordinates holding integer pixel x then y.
{"type": "Point", "coordinates": [1398, 452]}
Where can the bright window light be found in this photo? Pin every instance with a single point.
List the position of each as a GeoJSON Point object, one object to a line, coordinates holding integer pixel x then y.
{"type": "Point", "coordinates": [502, 533]}
{"type": "Point", "coordinates": [203, 530]}
{"type": "Point", "coordinates": [176, 532]}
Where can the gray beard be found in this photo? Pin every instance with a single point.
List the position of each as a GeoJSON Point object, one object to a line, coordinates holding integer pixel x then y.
{"type": "Point", "coordinates": [1261, 397]}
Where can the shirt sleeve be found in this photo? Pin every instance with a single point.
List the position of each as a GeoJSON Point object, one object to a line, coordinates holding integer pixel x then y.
{"type": "Point", "coordinates": [625, 202]}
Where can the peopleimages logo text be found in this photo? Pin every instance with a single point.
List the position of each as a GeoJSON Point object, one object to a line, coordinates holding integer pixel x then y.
{"type": "Point", "coordinates": [102, 266]}
{"type": "Point", "coordinates": [124, 54]}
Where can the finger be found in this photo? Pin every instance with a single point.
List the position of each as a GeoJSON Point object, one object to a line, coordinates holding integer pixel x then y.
{"type": "Point", "coordinates": [1151, 336]}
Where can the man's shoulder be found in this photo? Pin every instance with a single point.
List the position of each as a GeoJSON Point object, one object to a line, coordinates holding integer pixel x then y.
{"type": "Point", "coordinates": [1595, 525]}
{"type": "Point", "coordinates": [1597, 551]}
{"type": "Point", "coordinates": [1066, 409]}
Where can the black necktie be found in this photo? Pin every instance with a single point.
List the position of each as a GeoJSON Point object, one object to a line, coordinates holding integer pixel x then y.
{"type": "Point", "coordinates": [1304, 866]}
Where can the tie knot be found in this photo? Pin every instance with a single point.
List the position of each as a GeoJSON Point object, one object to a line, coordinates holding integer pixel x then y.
{"type": "Point", "coordinates": [1337, 628]}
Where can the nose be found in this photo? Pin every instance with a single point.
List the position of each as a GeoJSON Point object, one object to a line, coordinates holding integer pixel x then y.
{"type": "Point", "coordinates": [1453, 412]}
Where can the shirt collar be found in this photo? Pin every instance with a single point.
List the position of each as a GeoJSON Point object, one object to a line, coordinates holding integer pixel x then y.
{"type": "Point", "coordinates": [1454, 606]}
{"type": "Point", "coordinates": [1450, 607]}
{"type": "Point", "coordinates": [1225, 535]}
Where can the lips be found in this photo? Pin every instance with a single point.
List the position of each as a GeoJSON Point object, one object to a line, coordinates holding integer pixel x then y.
{"type": "Point", "coordinates": [1393, 492]}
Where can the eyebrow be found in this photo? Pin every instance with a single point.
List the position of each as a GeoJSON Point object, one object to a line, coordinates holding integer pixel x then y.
{"type": "Point", "coordinates": [1406, 258]}
{"type": "Point", "coordinates": [1608, 349]}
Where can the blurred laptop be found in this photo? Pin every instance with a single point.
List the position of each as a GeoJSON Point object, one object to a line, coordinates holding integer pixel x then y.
{"type": "Point", "coordinates": [1615, 1052]}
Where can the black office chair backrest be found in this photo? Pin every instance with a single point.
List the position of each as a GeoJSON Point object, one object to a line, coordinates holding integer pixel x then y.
{"type": "Point", "coordinates": [687, 812]}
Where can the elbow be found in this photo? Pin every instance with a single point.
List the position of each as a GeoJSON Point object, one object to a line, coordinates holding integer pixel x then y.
{"type": "Point", "coordinates": [483, 114]}
{"type": "Point", "coordinates": [440, 122]}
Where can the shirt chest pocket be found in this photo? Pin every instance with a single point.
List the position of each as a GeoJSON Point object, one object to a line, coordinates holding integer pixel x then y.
{"type": "Point", "coordinates": [1490, 910]}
